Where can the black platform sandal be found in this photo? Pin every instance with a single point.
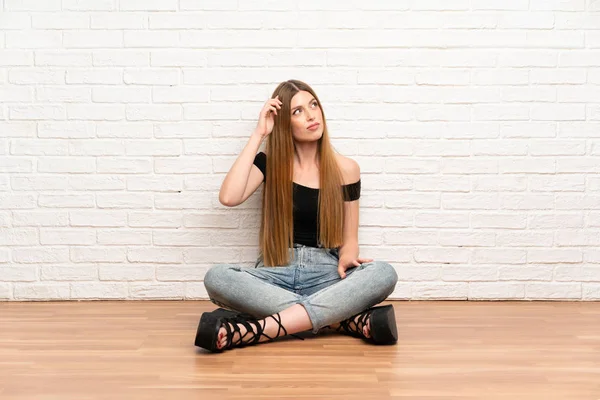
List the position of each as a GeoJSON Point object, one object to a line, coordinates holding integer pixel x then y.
{"type": "Point", "coordinates": [210, 324]}
{"type": "Point", "coordinates": [382, 320]}
{"type": "Point", "coordinates": [224, 312]}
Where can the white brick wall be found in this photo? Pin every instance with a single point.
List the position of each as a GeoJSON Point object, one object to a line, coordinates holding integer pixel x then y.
{"type": "Point", "coordinates": [475, 123]}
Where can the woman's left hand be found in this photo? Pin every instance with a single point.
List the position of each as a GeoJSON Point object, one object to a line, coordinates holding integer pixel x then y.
{"type": "Point", "coordinates": [346, 263]}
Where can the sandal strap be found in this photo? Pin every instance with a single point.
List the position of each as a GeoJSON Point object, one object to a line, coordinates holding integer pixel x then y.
{"type": "Point", "coordinates": [250, 323]}
{"type": "Point", "coordinates": [279, 328]}
{"type": "Point", "coordinates": [232, 326]}
{"type": "Point", "coordinates": [355, 324]}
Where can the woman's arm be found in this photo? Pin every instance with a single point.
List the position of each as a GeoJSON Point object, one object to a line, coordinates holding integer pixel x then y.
{"type": "Point", "coordinates": [243, 177]}
{"type": "Point", "coordinates": [349, 252]}
{"type": "Point", "coordinates": [350, 232]}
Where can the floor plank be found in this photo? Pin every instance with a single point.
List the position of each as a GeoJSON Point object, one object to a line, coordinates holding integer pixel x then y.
{"type": "Point", "coordinates": [446, 350]}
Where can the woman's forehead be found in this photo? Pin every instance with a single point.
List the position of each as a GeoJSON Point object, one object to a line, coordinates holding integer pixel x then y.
{"type": "Point", "coordinates": [301, 98]}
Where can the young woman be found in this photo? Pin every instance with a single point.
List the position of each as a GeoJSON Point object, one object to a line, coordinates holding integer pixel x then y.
{"type": "Point", "coordinates": [309, 274]}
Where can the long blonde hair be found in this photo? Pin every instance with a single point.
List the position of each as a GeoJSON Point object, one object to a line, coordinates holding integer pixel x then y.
{"type": "Point", "coordinates": [277, 224]}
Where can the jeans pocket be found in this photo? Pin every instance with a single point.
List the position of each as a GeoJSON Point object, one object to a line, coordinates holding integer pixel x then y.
{"type": "Point", "coordinates": [335, 252]}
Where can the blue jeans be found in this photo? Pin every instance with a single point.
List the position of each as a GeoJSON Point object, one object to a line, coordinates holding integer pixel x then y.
{"type": "Point", "coordinates": [311, 279]}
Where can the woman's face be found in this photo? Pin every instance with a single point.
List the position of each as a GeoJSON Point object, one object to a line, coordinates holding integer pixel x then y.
{"type": "Point", "coordinates": [306, 117]}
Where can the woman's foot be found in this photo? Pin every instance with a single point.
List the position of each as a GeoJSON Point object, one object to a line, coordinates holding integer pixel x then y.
{"type": "Point", "coordinates": [217, 332]}
{"type": "Point", "coordinates": [241, 332]}
{"type": "Point", "coordinates": [222, 335]}
{"type": "Point", "coordinates": [366, 329]}
{"type": "Point", "coordinates": [376, 325]}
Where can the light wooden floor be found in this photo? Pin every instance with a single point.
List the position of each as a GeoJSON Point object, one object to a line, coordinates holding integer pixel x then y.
{"type": "Point", "coordinates": [446, 350]}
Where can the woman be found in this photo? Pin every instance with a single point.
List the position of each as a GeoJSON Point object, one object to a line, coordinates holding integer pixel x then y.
{"type": "Point", "coordinates": [309, 274]}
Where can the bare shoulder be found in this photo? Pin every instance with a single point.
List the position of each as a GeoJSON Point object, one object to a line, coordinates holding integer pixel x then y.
{"type": "Point", "coordinates": [349, 168]}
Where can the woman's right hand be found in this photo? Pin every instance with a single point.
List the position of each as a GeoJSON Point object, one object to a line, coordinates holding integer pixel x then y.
{"type": "Point", "coordinates": [266, 119]}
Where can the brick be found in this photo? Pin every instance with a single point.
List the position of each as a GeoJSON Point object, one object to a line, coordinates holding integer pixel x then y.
{"type": "Point", "coordinates": [553, 291]}
{"type": "Point", "coordinates": [97, 39]}
{"type": "Point", "coordinates": [89, 5]}
{"type": "Point", "coordinates": [496, 291]}
{"type": "Point", "coordinates": [68, 273]}
{"type": "Point", "coordinates": [99, 290]}
{"type": "Point", "coordinates": [42, 291]}
{"type": "Point", "coordinates": [174, 290]}
{"type": "Point", "coordinates": [32, 5]}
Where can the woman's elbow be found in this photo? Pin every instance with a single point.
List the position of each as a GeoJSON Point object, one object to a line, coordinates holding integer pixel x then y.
{"type": "Point", "coordinates": [227, 201]}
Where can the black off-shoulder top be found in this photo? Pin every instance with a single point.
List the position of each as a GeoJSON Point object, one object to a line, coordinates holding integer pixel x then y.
{"type": "Point", "coordinates": [306, 205]}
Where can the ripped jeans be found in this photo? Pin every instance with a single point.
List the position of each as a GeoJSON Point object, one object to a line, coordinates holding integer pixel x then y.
{"type": "Point", "coordinates": [311, 279]}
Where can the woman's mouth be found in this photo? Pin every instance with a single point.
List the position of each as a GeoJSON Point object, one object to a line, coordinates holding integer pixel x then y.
{"type": "Point", "coordinates": [313, 127]}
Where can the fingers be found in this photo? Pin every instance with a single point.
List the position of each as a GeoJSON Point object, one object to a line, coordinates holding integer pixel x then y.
{"type": "Point", "coordinates": [272, 105]}
{"type": "Point", "coordinates": [275, 102]}
{"type": "Point", "coordinates": [269, 109]}
{"type": "Point", "coordinates": [355, 263]}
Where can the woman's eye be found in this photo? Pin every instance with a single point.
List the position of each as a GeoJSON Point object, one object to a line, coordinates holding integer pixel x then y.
{"type": "Point", "coordinates": [314, 104]}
